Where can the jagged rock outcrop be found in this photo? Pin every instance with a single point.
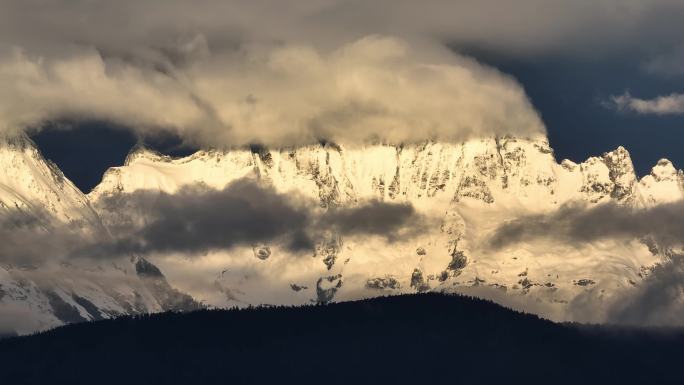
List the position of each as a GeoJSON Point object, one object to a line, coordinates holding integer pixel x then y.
{"type": "Point", "coordinates": [383, 283]}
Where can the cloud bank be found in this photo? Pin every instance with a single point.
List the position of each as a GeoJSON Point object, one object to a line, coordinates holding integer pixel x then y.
{"type": "Point", "coordinates": [672, 104]}
{"type": "Point", "coordinates": [579, 223]}
{"type": "Point", "coordinates": [155, 28]}
{"type": "Point", "coordinates": [376, 88]}
{"type": "Point", "coordinates": [229, 73]}
{"type": "Point", "coordinates": [658, 299]}
{"type": "Point", "coordinates": [203, 219]}
{"type": "Point", "coordinates": [656, 302]}
{"type": "Point", "coordinates": [197, 220]}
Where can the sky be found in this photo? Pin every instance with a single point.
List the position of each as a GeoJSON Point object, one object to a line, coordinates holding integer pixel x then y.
{"type": "Point", "coordinates": [89, 79]}
{"type": "Point", "coordinates": [571, 95]}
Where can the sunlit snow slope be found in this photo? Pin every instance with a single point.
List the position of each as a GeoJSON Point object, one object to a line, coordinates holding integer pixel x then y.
{"type": "Point", "coordinates": [46, 292]}
{"type": "Point", "coordinates": [468, 189]}
{"type": "Point", "coordinates": [471, 188]}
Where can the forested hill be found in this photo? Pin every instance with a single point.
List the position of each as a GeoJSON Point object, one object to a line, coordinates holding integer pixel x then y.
{"type": "Point", "coordinates": [408, 339]}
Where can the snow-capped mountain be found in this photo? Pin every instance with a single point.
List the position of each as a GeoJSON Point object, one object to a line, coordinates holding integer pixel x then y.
{"type": "Point", "coordinates": [29, 181]}
{"type": "Point", "coordinates": [470, 188]}
{"type": "Point", "coordinates": [38, 294]}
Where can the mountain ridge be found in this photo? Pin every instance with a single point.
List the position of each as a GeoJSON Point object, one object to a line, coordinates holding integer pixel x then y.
{"type": "Point", "coordinates": [469, 187]}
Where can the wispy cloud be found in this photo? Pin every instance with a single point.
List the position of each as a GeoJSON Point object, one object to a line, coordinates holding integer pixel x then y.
{"type": "Point", "coordinates": [672, 104]}
{"type": "Point", "coordinates": [670, 63]}
{"type": "Point", "coordinates": [656, 301]}
{"type": "Point", "coordinates": [580, 223]}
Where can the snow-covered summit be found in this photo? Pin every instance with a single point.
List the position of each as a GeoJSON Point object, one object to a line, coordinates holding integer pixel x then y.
{"type": "Point", "coordinates": [49, 290]}
{"type": "Point", "coordinates": [664, 184]}
{"type": "Point", "coordinates": [470, 188]}
{"type": "Point", "coordinates": [489, 170]}
{"type": "Point", "coordinates": [30, 182]}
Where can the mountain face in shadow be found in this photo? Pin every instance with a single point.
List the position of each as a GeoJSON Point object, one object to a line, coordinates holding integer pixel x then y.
{"type": "Point", "coordinates": [409, 339]}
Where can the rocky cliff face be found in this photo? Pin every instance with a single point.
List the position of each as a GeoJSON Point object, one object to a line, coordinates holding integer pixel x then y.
{"type": "Point", "coordinates": [470, 188]}
{"type": "Point", "coordinates": [492, 171]}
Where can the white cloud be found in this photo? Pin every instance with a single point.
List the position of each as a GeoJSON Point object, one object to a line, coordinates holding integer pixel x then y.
{"type": "Point", "coordinates": [662, 105]}
{"type": "Point", "coordinates": [286, 94]}
{"type": "Point", "coordinates": [231, 71]}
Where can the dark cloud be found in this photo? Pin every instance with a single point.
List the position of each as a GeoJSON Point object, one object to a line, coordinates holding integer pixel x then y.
{"type": "Point", "coordinates": [198, 219]}
{"type": "Point", "coordinates": [375, 218]}
{"type": "Point", "coordinates": [27, 239]}
{"type": "Point", "coordinates": [579, 223]}
{"type": "Point", "coordinates": [657, 300]}
{"type": "Point", "coordinates": [166, 31]}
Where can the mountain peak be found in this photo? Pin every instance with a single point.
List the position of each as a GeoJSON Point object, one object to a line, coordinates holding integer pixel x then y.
{"type": "Point", "coordinates": [664, 170]}
{"type": "Point", "coordinates": [20, 141]}
{"type": "Point", "coordinates": [30, 181]}
{"type": "Point", "coordinates": [140, 151]}
{"type": "Point", "coordinates": [618, 156]}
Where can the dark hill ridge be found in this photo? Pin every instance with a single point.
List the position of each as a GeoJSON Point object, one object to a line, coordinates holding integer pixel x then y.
{"type": "Point", "coordinates": [409, 339]}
